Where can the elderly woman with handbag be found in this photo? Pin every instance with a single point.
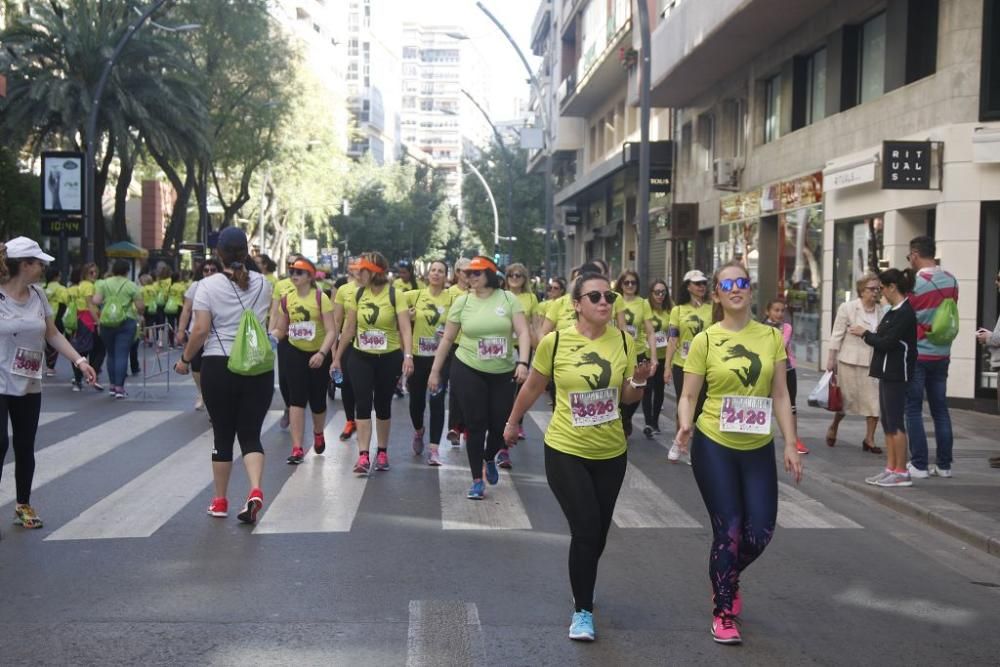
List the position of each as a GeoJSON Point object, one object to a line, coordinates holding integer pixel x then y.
{"type": "Point", "coordinates": [850, 358]}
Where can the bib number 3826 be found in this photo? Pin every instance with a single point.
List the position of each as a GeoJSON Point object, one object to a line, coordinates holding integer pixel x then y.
{"type": "Point", "coordinates": [590, 408]}
{"type": "Point", "coordinates": [745, 414]}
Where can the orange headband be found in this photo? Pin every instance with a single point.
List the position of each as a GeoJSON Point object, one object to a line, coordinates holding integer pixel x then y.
{"type": "Point", "coordinates": [363, 264]}
{"type": "Point", "coordinates": [482, 264]}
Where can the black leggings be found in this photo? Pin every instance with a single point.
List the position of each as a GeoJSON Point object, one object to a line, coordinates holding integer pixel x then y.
{"type": "Point", "coordinates": [306, 385]}
{"type": "Point", "coordinates": [456, 420]}
{"type": "Point", "coordinates": [237, 406]}
{"type": "Point", "coordinates": [346, 386]}
{"type": "Point", "coordinates": [793, 387]}
{"type": "Point", "coordinates": [628, 409]}
{"type": "Point", "coordinates": [283, 347]}
{"type": "Point", "coordinates": [416, 384]}
{"type": "Point", "coordinates": [23, 413]}
{"type": "Point", "coordinates": [587, 491]}
{"type": "Point", "coordinates": [740, 490]}
{"type": "Point", "coordinates": [678, 375]}
{"type": "Point", "coordinates": [652, 398]}
{"type": "Point", "coordinates": [486, 400]}
{"type": "Point", "coordinates": [374, 377]}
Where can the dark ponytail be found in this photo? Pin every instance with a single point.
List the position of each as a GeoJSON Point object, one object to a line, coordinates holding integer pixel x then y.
{"type": "Point", "coordinates": [236, 260]}
{"type": "Point", "coordinates": [904, 280]}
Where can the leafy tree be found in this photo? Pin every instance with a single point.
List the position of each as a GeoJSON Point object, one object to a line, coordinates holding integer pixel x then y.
{"type": "Point", "coordinates": [20, 197]}
{"type": "Point", "coordinates": [529, 207]}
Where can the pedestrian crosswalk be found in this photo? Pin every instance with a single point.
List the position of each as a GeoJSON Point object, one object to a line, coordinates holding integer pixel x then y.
{"type": "Point", "coordinates": [323, 495]}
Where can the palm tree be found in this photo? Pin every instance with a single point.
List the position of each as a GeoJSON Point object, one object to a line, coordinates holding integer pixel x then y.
{"type": "Point", "coordinates": [53, 58]}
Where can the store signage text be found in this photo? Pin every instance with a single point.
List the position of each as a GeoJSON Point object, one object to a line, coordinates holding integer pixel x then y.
{"type": "Point", "coordinates": [857, 175]}
{"type": "Point", "coordinates": [906, 165]}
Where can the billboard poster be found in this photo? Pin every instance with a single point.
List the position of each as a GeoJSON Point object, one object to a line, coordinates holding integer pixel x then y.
{"type": "Point", "coordinates": [62, 183]}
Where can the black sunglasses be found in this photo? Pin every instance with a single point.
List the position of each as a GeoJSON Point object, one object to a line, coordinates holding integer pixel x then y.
{"type": "Point", "coordinates": [659, 292]}
{"type": "Point", "coordinates": [209, 269]}
{"type": "Point", "coordinates": [473, 273]}
{"type": "Point", "coordinates": [298, 272]}
{"type": "Point", "coordinates": [629, 282]}
{"type": "Point", "coordinates": [515, 275]}
{"type": "Point", "coordinates": [596, 296]}
{"type": "Point", "coordinates": [728, 284]}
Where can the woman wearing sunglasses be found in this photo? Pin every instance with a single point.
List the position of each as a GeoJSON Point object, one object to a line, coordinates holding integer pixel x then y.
{"type": "Point", "coordinates": [634, 318]}
{"type": "Point", "coordinates": [282, 288]}
{"type": "Point", "coordinates": [659, 316]}
{"type": "Point", "coordinates": [346, 293]}
{"type": "Point", "coordinates": [687, 319]}
{"type": "Point", "coordinates": [593, 366]}
{"type": "Point", "coordinates": [517, 284]}
{"type": "Point", "coordinates": [378, 325]}
{"type": "Point", "coordinates": [741, 362]}
{"type": "Point", "coordinates": [484, 365]}
{"type": "Point", "coordinates": [207, 269]}
{"type": "Point", "coordinates": [429, 312]}
{"type": "Point", "coordinates": [562, 314]}
{"type": "Point", "coordinates": [305, 319]}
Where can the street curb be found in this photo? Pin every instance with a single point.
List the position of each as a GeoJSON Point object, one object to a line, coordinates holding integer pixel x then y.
{"type": "Point", "coordinates": [971, 536]}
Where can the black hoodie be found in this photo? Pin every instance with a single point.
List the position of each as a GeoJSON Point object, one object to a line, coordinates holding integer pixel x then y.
{"type": "Point", "coordinates": [895, 343]}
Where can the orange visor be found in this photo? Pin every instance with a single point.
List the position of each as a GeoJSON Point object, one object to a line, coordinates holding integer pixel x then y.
{"type": "Point", "coordinates": [303, 265]}
{"type": "Point", "coordinates": [481, 264]}
{"type": "Point", "coordinates": [364, 264]}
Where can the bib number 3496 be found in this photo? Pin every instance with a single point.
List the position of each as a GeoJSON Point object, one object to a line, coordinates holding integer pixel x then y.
{"type": "Point", "coordinates": [745, 414]}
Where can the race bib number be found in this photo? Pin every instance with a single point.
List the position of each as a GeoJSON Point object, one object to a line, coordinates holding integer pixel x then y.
{"type": "Point", "coordinates": [302, 331]}
{"type": "Point", "coordinates": [745, 414]}
{"type": "Point", "coordinates": [373, 340]}
{"type": "Point", "coordinates": [685, 348]}
{"type": "Point", "coordinates": [427, 347]}
{"type": "Point", "coordinates": [662, 339]}
{"type": "Point", "coordinates": [494, 347]}
{"type": "Point", "coordinates": [590, 408]}
{"type": "Point", "coordinates": [632, 331]}
{"type": "Point", "coordinates": [27, 363]}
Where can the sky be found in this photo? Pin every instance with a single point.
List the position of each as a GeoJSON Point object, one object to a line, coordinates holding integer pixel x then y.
{"type": "Point", "coordinates": [508, 78]}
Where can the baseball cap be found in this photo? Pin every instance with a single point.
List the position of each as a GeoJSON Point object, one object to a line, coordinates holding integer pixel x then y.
{"type": "Point", "coordinates": [695, 276]}
{"type": "Point", "coordinates": [21, 247]}
{"type": "Point", "coordinates": [233, 238]}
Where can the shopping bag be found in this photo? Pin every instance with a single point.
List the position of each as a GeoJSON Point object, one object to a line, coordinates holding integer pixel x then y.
{"type": "Point", "coordinates": [820, 395]}
{"type": "Point", "coordinates": [251, 353]}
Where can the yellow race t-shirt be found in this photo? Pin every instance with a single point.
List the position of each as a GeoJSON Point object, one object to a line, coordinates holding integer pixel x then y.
{"type": "Point", "coordinates": [378, 328]}
{"type": "Point", "coordinates": [429, 319]}
{"type": "Point", "coordinates": [57, 295]}
{"type": "Point", "coordinates": [661, 329]}
{"type": "Point", "coordinates": [588, 376]}
{"type": "Point", "coordinates": [84, 292]}
{"type": "Point", "coordinates": [282, 288]}
{"type": "Point", "coordinates": [403, 286]}
{"type": "Point", "coordinates": [562, 313]}
{"type": "Point", "coordinates": [637, 311]}
{"type": "Point", "coordinates": [529, 302]}
{"type": "Point", "coordinates": [149, 293]}
{"type": "Point", "coordinates": [306, 329]}
{"type": "Point", "coordinates": [738, 367]}
{"type": "Point", "coordinates": [686, 322]}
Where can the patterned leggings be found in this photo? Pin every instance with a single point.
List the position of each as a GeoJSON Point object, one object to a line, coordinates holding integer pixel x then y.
{"type": "Point", "coordinates": [740, 490]}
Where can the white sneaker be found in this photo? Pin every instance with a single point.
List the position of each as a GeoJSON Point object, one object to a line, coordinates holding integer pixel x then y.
{"type": "Point", "coordinates": [895, 479]}
{"type": "Point", "coordinates": [935, 471]}
{"type": "Point", "coordinates": [199, 403]}
{"type": "Point", "coordinates": [915, 472]}
{"type": "Point", "coordinates": [674, 455]}
{"type": "Point", "coordinates": [875, 479]}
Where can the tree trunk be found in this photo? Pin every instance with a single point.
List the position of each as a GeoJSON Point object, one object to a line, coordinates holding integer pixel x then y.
{"type": "Point", "coordinates": [119, 227]}
{"type": "Point", "coordinates": [100, 230]}
{"type": "Point", "coordinates": [174, 234]}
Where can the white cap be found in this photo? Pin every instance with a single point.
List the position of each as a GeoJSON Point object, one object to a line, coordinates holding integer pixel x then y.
{"type": "Point", "coordinates": [22, 247]}
{"type": "Point", "coordinates": [695, 276]}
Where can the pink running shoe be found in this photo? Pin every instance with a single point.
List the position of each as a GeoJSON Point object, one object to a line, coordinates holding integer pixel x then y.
{"type": "Point", "coordinates": [219, 507]}
{"type": "Point", "coordinates": [724, 630]}
{"type": "Point", "coordinates": [363, 465]}
{"type": "Point", "coordinates": [381, 461]}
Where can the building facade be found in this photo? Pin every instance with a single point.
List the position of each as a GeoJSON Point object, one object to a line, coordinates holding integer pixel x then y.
{"type": "Point", "coordinates": [814, 142]}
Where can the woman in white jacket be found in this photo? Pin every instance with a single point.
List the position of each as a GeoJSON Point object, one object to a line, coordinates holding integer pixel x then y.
{"type": "Point", "coordinates": [849, 358]}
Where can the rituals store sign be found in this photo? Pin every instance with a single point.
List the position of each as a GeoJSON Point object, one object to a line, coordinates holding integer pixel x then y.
{"type": "Point", "coordinates": [906, 165]}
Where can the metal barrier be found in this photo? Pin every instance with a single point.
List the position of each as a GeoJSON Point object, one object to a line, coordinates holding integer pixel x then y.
{"type": "Point", "coordinates": [155, 344]}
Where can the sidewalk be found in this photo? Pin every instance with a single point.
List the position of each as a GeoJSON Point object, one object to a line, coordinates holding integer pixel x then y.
{"type": "Point", "coordinates": [966, 506]}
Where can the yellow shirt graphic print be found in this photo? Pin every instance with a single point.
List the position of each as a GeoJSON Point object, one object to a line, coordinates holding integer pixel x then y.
{"type": "Point", "coordinates": [738, 366]}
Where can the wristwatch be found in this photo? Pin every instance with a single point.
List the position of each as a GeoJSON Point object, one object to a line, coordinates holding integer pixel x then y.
{"type": "Point", "coordinates": [636, 385]}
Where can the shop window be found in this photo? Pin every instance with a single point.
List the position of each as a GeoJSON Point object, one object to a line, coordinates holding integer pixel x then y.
{"type": "Point", "coordinates": [922, 38]}
{"type": "Point", "coordinates": [772, 108]}
{"type": "Point", "coordinates": [989, 102]}
{"type": "Point", "coordinates": [858, 247]}
{"type": "Point", "coordinates": [801, 232]}
{"type": "Point", "coordinates": [871, 59]}
{"type": "Point", "coordinates": [686, 146]}
{"type": "Point", "coordinates": [706, 141]}
{"type": "Point", "coordinates": [816, 87]}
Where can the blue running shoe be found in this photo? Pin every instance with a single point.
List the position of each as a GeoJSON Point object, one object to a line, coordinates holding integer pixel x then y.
{"type": "Point", "coordinates": [477, 491]}
{"type": "Point", "coordinates": [582, 627]}
{"type": "Point", "coordinates": [492, 473]}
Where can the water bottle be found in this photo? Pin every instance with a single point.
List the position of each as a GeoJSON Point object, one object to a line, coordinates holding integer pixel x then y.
{"type": "Point", "coordinates": [337, 375]}
{"type": "Point", "coordinates": [437, 392]}
{"type": "Point", "coordinates": [274, 341]}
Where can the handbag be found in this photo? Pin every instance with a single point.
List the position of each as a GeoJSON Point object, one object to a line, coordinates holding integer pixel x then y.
{"type": "Point", "coordinates": [835, 399]}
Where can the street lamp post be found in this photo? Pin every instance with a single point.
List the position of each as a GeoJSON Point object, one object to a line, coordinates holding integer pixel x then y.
{"type": "Point", "coordinates": [547, 123]}
{"type": "Point", "coordinates": [90, 207]}
{"type": "Point", "coordinates": [493, 204]}
{"type": "Point", "coordinates": [644, 112]}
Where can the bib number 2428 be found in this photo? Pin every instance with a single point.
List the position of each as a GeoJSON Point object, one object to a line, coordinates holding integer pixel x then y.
{"type": "Point", "coordinates": [745, 414]}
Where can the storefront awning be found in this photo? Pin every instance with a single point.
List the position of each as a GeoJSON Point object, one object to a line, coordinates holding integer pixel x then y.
{"type": "Point", "coordinates": [986, 144]}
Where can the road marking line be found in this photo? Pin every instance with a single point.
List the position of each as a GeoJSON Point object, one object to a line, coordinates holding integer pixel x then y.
{"type": "Point", "coordinates": [49, 417]}
{"type": "Point", "coordinates": [797, 510]}
{"type": "Point", "coordinates": [145, 504]}
{"type": "Point", "coordinates": [641, 504]}
{"type": "Point", "coordinates": [914, 608]}
{"type": "Point", "coordinates": [501, 509]}
{"type": "Point", "coordinates": [444, 633]}
{"type": "Point", "coordinates": [60, 458]}
{"type": "Point", "coordinates": [322, 495]}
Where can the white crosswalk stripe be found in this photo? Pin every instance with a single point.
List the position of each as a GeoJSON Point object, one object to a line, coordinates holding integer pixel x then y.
{"type": "Point", "coordinates": [321, 496]}
{"type": "Point", "coordinates": [145, 504]}
{"type": "Point", "coordinates": [56, 460]}
{"type": "Point", "coordinates": [501, 509]}
{"type": "Point", "coordinates": [641, 504]}
{"type": "Point", "coordinates": [797, 510]}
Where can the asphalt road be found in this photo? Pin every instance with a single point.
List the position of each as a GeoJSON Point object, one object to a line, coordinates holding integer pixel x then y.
{"type": "Point", "coordinates": [401, 569]}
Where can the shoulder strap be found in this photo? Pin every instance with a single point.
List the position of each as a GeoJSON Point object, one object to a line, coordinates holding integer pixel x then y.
{"type": "Point", "coordinates": [555, 348]}
{"type": "Point", "coordinates": [319, 301]}
{"type": "Point", "coordinates": [392, 297]}
{"type": "Point", "coordinates": [357, 295]}
{"type": "Point", "coordinates": [284, 305]}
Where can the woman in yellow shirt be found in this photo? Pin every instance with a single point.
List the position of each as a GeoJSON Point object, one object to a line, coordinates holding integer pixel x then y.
{"type": "Point", "coordinates": [634, 318]}
{"type": "Point", "coordinates": [742, 364]}
{"type": "Point", "coordinates": [593, 366]}
{"type": "Point", "coordinates": [659, 318]}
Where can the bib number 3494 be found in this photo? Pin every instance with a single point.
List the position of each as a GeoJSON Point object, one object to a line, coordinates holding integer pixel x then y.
{"type": "Point", "coordinates": [745, 414]}
{"type": "Point", "coordinates": [590, 408]}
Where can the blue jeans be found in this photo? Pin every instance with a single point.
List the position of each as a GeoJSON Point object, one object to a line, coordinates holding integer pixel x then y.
{"type": "Point", "coordinates": [117, 341]}
{"type": "Point", "coordinates": [932, 377]}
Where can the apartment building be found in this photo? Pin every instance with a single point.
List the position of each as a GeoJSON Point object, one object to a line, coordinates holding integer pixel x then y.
{"type": "Point", "coordinates": [815, 138]}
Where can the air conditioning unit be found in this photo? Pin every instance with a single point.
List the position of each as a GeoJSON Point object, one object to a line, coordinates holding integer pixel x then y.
{"type": "Point", "coordinates": [726, 173]}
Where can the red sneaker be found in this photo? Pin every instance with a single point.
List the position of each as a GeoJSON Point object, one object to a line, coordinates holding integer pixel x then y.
{"type": "Point", "coordinates": [348, 431]}
{"type": "Point", "coordinates": [297, 457]}
{"type": "Point", "coordinates": [254, 504]}
{"type": "Point", "coordinates": [319, 443]}
{"type": "Point", "coordinates": [800, 448]}
{"type": "Point", "coordinates": [219, 507]}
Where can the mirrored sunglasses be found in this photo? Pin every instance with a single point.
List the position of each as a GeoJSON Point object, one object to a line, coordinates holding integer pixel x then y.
{"type": "Point", "coordinates": [728, 284]}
